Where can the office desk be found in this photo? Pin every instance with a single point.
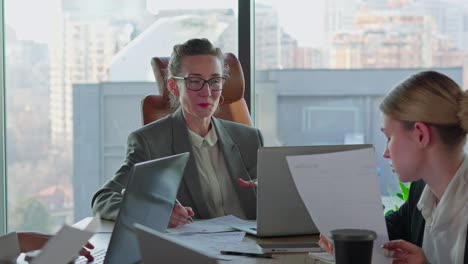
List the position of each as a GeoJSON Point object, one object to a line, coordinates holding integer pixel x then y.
{"type": "Point", "coordinates": [290, 258]}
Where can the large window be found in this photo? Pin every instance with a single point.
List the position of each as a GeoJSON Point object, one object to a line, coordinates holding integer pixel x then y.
{"type": "Point", "coordinates": [75, 74]}
{"type": "Point", "coordinates": [322, 67]}
{"type": "Point", "coordinates": [77, 70]}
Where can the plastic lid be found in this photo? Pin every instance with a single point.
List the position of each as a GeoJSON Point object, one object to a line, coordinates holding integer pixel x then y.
{"type": "Point", "coordinates": [353, 235]}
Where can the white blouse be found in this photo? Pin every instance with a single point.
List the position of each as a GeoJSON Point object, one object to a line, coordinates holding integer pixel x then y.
{"type": "Point", "coordinates": [446, 222]}
{"type": "Point", "coordinates": [218, 189]}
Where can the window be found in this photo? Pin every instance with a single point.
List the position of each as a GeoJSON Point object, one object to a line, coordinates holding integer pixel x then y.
{"type": "Point", "coordinates": [74, 85]}
{"type": "Point", "coordinates": [322, 67]}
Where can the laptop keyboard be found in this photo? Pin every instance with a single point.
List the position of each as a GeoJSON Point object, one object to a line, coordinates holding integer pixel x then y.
{"type": "Point", "coordinates": [98, 255]}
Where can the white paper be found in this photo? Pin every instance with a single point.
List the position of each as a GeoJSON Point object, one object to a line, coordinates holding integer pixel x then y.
{"type": "Point", "coordinates": [9, 247]}
{"type": "Point", "coordinates": [94, 225]}
{"type": "Point", "coordinates": [322, 256]}
{"type": "Point", "coordinates": [67, 243]}
{"type": "Point", "coordinates": [211, 243]}
{"type": "Point", "coordinates": [64, 246]}
{"type": "Point", "coordinates": [340, 190]}
{"type": "Point", "coordinates": [105, 226]}
{"type": "Point", "coordinates": [214, 225]}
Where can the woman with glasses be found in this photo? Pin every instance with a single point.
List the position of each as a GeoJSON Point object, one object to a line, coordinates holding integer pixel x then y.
{"type": "Point", "coordinates": [425, 121]}
{"type": "Point", "coordinates": [220, 151]}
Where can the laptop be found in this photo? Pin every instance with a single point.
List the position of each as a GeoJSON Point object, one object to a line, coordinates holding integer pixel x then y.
{"type": "Point", "coordinates": [156, 247]}
{"type": "Point", "coordinates": [148, 199]}
{"type": "Point", "coordinates": [280, 209]}
{"type": "Point", "coordinates": [62, 247]}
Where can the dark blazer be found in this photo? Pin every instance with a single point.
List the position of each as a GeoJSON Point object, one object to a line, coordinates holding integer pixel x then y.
{"type": "Point", "coordinates": [408, 223]}
{"type": "Point", "coordinates": [169, 136]}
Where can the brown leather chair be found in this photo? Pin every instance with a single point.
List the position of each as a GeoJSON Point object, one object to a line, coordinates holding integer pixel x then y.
{"type": "Point", "coordinates": [233, 108]}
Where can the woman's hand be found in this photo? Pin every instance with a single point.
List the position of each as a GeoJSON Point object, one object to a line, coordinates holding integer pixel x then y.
{"type": "Point", "coordinates": [326, 244]}
{"type": "Point", "coordinates": [85, 252]}
{"type": "Point", "coordinates": [247, 184]}
{"type": "Point", "coordinates": [180, 216]}
{"type": "Point", "coordinates": [402, 251]}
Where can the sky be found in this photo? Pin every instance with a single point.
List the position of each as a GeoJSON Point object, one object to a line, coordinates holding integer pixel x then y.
{"type": "Point", "coordinates": [34, 19]}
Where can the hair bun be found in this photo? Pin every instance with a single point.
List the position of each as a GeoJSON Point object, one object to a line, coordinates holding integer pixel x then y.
{"type": "Point", "coordinates": [463, 110]}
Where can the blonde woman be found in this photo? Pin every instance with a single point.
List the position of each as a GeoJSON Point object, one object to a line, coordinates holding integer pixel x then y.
{"type": "Point", "coordinates": [425, 120]}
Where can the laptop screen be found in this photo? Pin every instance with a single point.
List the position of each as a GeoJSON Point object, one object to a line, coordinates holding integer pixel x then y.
{"type": "Point", "coordinates": [156, 247]}
{"type": "Point", "coordinates": [289, 216]}
{"type": "Point", "coordinates": [148, 200]}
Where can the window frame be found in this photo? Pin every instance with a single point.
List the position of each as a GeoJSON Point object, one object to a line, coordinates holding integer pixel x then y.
{"type": "Point", "coordinates": [246, 44]}
{"type": "Point", "coordinates": [3, 182]}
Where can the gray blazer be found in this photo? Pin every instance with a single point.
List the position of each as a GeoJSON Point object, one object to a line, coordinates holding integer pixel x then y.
{"type": "Point", "coordinates": [169, 136]}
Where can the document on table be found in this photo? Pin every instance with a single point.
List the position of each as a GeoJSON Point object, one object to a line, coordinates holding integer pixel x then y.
{"type": "Point", "coordinates": [211, 243]}
{"type": "Point", "coordinates": [214, 225]}
{"type": "Point", "coordinates": [340, 190]}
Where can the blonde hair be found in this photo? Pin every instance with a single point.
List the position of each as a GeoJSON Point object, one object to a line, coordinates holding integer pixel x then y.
{"type": "Point", "coordinates": [432, 98]}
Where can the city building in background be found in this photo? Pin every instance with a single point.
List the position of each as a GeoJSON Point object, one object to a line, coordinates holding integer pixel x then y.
{"type": "Point", "coordinates": [267, 37]}
{"type": "Point", "coordinates": [87, 36]}
{"type": "Point", "coordinates": [72, 101]}
{"type": "Point", "coordinates": [220, 26]}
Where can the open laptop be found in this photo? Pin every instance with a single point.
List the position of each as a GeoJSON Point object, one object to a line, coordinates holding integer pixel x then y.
{"type": "Point", "coordinates": [280, 209]}
{"type": "Point", "coordinates": [148, 200]}
{"type": "Point", "coordinates": [156, 247]}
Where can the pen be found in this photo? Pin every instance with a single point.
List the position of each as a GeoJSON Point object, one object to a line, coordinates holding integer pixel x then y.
{"type": "Point", "coordinates": [247, 254]}
{"type": "Point", "coordinates": [189, 218]}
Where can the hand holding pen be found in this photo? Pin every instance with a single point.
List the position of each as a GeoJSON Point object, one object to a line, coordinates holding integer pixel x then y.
{"type": "Point", "coordinates": [180, 215]}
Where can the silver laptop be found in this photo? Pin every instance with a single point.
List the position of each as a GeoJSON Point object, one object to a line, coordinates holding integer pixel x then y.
{"type": "Point", "coordinates": [280, 209]}
{"type": "Point", "coordinates": [148, 199]}
{"type": "Point", "coordinates": [155, 247]}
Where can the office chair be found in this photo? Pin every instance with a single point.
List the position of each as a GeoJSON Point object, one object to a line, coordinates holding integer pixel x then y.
{"type": "Point", "coordinates": [233, 108]}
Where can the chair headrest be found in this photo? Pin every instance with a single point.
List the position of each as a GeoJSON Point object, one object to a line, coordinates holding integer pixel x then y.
{"type": "Point", "coordinates": [234, 86]}
{"type": "Point", "coordinates": [159, 65]}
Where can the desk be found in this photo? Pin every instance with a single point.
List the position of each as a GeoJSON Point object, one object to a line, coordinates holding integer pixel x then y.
{"type": "Point", "coordinates": [290, 258]}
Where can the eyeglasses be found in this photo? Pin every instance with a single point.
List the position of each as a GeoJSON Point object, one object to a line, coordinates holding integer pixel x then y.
{"type": "Point", "coordinates": [197, 83]}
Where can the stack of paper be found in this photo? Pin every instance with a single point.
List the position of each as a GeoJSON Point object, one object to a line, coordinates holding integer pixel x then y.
{"type": "Point", "coordinates": [213, 235]}
{"type": "Point", "coordinates": [214, 225]}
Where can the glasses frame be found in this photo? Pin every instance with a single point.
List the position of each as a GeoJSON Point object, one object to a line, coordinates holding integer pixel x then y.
{"type": "Point", "coordinates": [204, 81]}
